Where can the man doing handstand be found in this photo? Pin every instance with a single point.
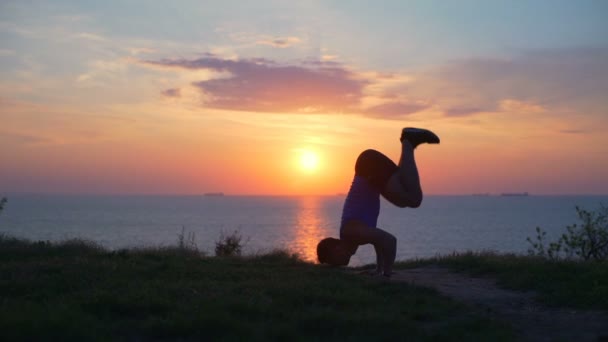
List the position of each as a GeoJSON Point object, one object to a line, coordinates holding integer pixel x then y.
{"type": "Point", "coordinates": [375, 175]}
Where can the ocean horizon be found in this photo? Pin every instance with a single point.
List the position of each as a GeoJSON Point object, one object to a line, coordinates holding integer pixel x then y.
{"type": "Point", "coordinates": [444, 224]}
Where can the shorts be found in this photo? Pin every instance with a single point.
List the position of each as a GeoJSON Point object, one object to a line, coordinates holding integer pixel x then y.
{"type": "Point", "coordinates": [376, 168]}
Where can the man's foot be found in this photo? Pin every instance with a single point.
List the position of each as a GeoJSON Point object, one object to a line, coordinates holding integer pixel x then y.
{"type": "Point", "coordinates": [417, 136]}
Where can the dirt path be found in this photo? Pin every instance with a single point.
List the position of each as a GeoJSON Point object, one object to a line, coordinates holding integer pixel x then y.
{"type": "Point", "coordinates": [530, 319]}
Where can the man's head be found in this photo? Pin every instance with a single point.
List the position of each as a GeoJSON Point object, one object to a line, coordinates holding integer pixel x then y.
{"type": "Point", "coordinates": [334, 252]}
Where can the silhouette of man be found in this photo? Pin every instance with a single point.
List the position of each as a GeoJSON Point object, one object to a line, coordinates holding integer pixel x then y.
{"type": "Point", "coordinates": [375, 175]}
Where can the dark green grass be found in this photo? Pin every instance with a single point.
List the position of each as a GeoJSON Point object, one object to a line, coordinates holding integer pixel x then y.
{"type": "Point", "coordinates": [575, 284]}
{"type": "Point", "coordinates": [78, 291]}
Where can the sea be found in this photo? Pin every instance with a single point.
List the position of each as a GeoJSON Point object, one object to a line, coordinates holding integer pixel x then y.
{"type": "Point", "coordinates": [441, 226]}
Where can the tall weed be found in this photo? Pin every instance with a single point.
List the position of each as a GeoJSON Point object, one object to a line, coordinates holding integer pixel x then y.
{"type": "Point", "coordinates": [2, 203]}
{"type": "Point", "coordinates": [186, 241]}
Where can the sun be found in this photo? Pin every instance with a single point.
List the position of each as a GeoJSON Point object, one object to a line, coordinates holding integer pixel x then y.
{"type": "Point", "coordinates": [309, 161]}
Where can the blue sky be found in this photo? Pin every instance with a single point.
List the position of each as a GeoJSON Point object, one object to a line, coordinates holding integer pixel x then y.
{"type": "Point", "coordinates": [384, 34]}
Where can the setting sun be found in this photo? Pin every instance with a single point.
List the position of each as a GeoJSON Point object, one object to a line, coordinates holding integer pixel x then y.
{"type": "Point", "coordinates": [309, 161]}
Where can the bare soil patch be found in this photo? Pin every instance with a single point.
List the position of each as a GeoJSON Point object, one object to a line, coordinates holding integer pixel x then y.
{"type": "Point", "coordinates": [531, 320]}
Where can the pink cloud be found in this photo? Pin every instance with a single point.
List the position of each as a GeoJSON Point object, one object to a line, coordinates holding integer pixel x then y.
{"type": "Point", "coordinates": [265, 86]}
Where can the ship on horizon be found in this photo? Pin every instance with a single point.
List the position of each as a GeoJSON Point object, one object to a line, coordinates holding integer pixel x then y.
{"type": "Point", "coordinates": [516, 194]}
{"type": "Point", "coordinates": [213, 194]}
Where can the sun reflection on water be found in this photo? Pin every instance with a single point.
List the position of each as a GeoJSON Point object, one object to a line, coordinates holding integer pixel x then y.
{"type": "Point", "coordinates": [311, 227]}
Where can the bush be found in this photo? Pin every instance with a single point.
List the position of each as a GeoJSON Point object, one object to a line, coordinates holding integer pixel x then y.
{"type": "Point", "coordinates": [587, 240]}
{"type": "Point", "coordinates": [2, 203]}
{"type": "Point", "coordinates": [229, 245]}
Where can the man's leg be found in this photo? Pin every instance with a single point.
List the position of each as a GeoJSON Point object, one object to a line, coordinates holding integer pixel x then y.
{"type": "Point", "coordinates": [403, 188]}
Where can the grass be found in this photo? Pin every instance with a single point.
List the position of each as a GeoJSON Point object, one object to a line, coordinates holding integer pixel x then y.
{"type": "Point", "coordinates": [77, 290]}
{"type": "Point", "coordinates": [576, 284]}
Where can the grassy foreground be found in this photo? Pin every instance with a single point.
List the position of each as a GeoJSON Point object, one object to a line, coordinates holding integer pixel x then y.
{"type": "Point", "coordinates": [78, 291]}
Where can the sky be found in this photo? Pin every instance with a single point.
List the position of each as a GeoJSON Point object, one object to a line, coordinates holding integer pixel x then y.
{"type": "Point", "coordinates": [279, 97]}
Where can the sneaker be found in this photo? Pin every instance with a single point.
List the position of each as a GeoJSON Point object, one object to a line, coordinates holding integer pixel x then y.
{"type": "Point", "coordinates": [417, 136]}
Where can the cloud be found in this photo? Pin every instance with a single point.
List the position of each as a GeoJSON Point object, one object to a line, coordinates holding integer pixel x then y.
{"type": "Point", "coordinates": [248, 39]}
{"type": "Point", "coordinates": [56, 124]}
{"type": "Point", "coordinates": [547, 82]}
{"type": "Point", "coordinates": [395, 109]}
{"type": "Point", "coordinates": [573, 131]}
{"type": "Point", "coordinates": [510, 105]}
{"type": "Point", "coordinates": [329, 57]}
{"type": "Point", "coordinates": [533, 82]}
{"type": "Point", "coordinates": [281, 42]}
{"type": "Point", "coordinates": [19, 138]}
{"type": "Point", "coordinates": [90, 36]}
{"type": "Point", "coordinates": [104, 69]}
{"type": "Point", "coordinates": [464, 111]}
{"type": "Point", "coordinates": [263, 85]}
{"type": "Point", "coordinates": [7, 52]}
{"type": "Point", "coordinates": [173, 92]}
{"type": "Point", "coordinates": [140, 50]}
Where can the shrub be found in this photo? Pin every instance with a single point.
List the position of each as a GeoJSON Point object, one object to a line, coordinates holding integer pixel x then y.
{"type": "Point", "coordinates": [587, 240]}
{"type": "Point", "coordinates": [229, 245]}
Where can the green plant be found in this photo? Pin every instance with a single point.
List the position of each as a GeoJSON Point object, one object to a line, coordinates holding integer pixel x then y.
{"type": "Point", "coordinates": [587, 240]}
{"type": "Point", "coordinates": [552, 251]}
{"type": "Point", "coordinates": [229, 245]}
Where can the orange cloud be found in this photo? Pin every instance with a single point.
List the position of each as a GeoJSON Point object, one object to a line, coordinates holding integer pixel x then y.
{"type": "Point", "coordinates": [510, 105]}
